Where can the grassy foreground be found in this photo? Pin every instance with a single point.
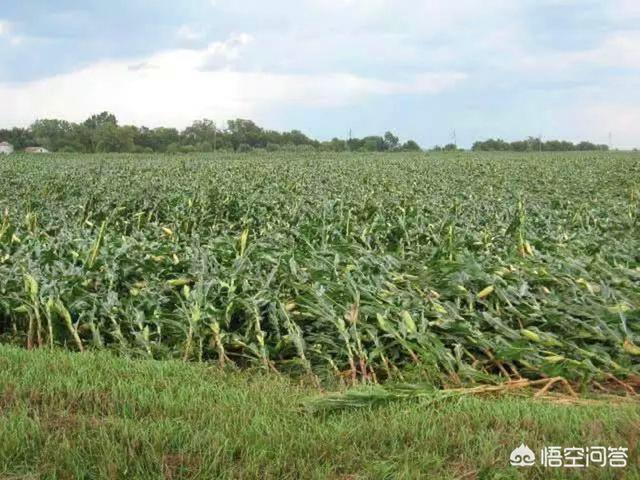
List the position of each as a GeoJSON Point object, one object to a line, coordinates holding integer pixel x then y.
{"type": "Point", "coordinates": [92, 415]}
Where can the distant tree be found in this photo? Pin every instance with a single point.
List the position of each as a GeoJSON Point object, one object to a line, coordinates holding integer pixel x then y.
{"type": "Point", "coordinates": [52, 134]}
{"type": "Point", "coordinates": [111, 138]}
{"type": "Point", "coordinates": [272, 147]}
{"type": "Point", "coordinates": [201, 131]}
{"type": "Point", "coordinates": [101, 132]}
{"type": "Point", "coordinates": [450, 147]}
{"type": "Point", "coordinates": [95, 121]}
{"type": "Point", "coordinates": [187, 148]}
{"type": "Point", "coordinates": [354, 144]}
{"type": "Point", "coordinates": [519, 146]}
{"type": "Point", "coordinates": [338, 145]}
{"type": "Point", "coordinates": [410, 146]}
{"type": "Point", "coordinates": [335, 145]}
{"type": "Point", "coordinates": [584, 146]}
{"type": "Point", "coordinates": [141, 149]}
{"type": "Point", "coordinates": [274, 137]}
{"type": "Point", "coordinates": [92, 125]}
{"type": "Point", "coordinates": [491, 145]}
{"type": "Point", "coordinates": [296, 137]}
{"type": "Point", "coordinates": [372, 144]}
{"type": "Point", "coordinates": [20, 138]}
{"type": "Point", "coordinates": [203, 147]}
{"type": "Point", "coordinates": [391, 142]}
{"type": "Point", "coordinates": [554, 146]}
{"type": "Point", "coordinates": [173, 148]}
{"type": "Point", "coordinates": [535, 144]}
{"type": "Point", "coordinates": [243, 131]}
{"type": "Point", "coordinates": [157, 139]}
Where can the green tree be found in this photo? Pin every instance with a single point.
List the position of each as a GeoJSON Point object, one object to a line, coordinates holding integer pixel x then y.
{"type": "Point", "coordinates": [20, 138]}
{"type": "Point", "coordinates": [157, 139]}
{"type": "Point", "coordinates": [411, 146]}
{"type": "Point", "coordinates": [96, 121]}
{"type": "Point", "coordinates": [93, 125]}
{"type": "Point", "coordinates": [391, 142]}
{"type": "Point", "coordinates": [373, 144]}
{"type": "Point", "coordinates": [335, 145]}
{"type": "Point", "coordinates": [52, 134]}
{"type": "Point", "coordinates": [243, 131]}
{"type": "Point", "coordinates": [201, 131]}
{"type": "Point", "coordinates": [111, 138]}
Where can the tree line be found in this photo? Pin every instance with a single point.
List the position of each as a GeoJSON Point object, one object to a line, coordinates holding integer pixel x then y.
{"type": "Point", "coordinates": [102, 133]}
{"type": "Point", "coordinates": [534, 144]}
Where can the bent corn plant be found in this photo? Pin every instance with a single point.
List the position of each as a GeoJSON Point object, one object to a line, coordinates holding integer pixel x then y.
{"type": "Point", "coordinates": [457, 268]}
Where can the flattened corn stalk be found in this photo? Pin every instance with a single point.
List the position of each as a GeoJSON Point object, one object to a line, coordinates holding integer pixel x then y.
{"type": "Point", "coordinates": [451, 269]}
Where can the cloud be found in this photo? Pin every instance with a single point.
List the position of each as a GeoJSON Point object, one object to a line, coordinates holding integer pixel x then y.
{"type": "Point", "coordinates": [174, 88]}
{"type": "Point", "coordinates": [619, 49]}
{"type": "Point", "coordinates": [6, 29]}
{"type": "Point", "coordinates": [221, 54]}
{"type": "Point", "coordinates": [188, 33]}
{"type": "Point", "coordinates": [625, 10]}
{"type": "Point", "coordinates": [599, 118]}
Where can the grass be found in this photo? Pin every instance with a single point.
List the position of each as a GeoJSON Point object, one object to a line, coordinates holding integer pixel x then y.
{"type": "Point", "coordinates": [94, 415]}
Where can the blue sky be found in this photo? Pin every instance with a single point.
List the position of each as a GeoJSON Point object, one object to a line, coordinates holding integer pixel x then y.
{"type": "Point", "coordinates": [559, 68]}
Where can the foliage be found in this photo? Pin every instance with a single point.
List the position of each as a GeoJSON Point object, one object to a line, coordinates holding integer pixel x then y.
{"type": "Point", "coordinates": [458, 268]}
{"type": "Point", "coordinates": [533, 144]}
{"type": "Point", "coordinates": [410, 146]}
{"type": "Point", "coordinates": [20, 138]}
{"type": "Point", "coordinates": [102, 133]}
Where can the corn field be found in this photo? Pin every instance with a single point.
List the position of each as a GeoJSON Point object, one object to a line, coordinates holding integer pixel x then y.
{"type": "Point", "coordinates": [459, 267]}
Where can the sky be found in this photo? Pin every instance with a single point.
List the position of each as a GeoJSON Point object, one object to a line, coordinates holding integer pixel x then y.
{"type": "Point", "coordinates": [565, 69]}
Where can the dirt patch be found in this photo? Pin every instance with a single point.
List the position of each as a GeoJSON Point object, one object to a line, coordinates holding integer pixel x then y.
{"type": "Point", "coordinates": [180, 465]}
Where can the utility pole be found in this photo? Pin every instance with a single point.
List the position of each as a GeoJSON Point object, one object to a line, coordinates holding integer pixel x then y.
{"type": "Point", "coordinates": [349, 141]}
{"type": "Point", "coordinates": [610, 141]}
{"type": "Point", "coordinates": [455, 138]}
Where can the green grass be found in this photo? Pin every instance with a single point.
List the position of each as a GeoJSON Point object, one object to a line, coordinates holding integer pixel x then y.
{"type": "Point", "coordinates": [93, 415]}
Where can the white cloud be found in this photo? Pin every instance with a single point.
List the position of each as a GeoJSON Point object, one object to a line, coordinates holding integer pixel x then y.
{"type": "Point", "coordinates": [6, 32]}
{"type": "Point", "coordinates": [596, 119]}
{"type": "Point", "coordinates": [4, 27]}
{"type": "Point", "coordinates": [619, 49]}
{"type": "Point", "coordinates": [220, 54]}
{"type": "Point", "coordinates": [189, 34]}
{"type": "Point", "coordinates": [177, 86]}
{"type": "Point", "coordinates": [623, 9]}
